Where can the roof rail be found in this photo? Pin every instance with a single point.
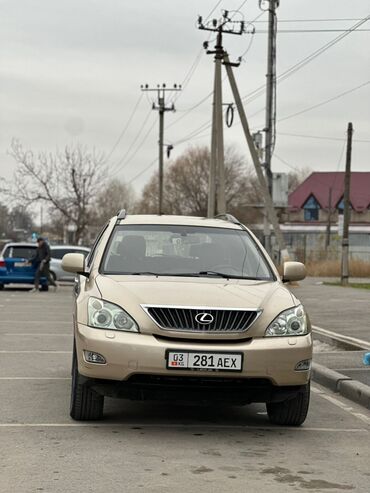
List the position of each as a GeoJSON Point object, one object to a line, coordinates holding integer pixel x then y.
{"type": "Point", "coordinates": [228, 217]}
{"type": "Point", "coordinates": [121, 214]}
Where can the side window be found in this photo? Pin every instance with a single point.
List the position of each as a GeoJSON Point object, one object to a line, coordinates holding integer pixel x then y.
{"type": "Point", "coordinates": [91, 255]}
{"type": "Point", "coordinates": [85, 253]}
{"type": "Point", "coordinates": [7, 252]}
{"type": "Point", "coordinates": [57, 253]}
{"type": "Point", "coordinates": [23, 252]}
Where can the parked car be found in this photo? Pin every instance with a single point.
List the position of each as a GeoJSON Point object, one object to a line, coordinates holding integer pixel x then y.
{"type": "Point", "coordinates": [14, 268]}
{"type": "Point", "coordinates": [186, 308]}
{"type": "Point", "coordinates": [57, 253]}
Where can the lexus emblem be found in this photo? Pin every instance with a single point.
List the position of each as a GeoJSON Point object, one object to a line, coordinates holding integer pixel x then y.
{"type": "Point", "coordinates": [204, 318]}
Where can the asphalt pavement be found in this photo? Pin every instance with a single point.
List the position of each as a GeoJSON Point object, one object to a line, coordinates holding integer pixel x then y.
{"type": "Point", "coordinates": [154, 447]}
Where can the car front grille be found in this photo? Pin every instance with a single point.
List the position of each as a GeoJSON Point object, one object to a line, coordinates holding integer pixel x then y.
{"type": "Point", "coordinates": [202, 320]}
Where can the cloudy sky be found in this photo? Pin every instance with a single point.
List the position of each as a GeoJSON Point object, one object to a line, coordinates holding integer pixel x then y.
{"type": "Point", "coordinates": [71, 70]}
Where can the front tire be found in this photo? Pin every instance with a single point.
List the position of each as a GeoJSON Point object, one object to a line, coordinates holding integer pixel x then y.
{"type": "Point", "coordinates": [292, 412]}
{"type": "Point", "coordinates": [1, 287]}
{"type": "Point", "coordinates": [86, 404]}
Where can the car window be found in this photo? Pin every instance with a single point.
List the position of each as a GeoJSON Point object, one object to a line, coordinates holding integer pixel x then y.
{"type": "Point", "coordinates": [58, 253]}
{"type": "Point", "coordinates": [91, 254]}
{"type": "Point", "coordinates": [6, 253]}
{"type": "Point", "coordinates": [85, 253]}
{"type": "Point", "coordinates": [184, 250]}
{"type": "Point", "coordinates": [22, 252]}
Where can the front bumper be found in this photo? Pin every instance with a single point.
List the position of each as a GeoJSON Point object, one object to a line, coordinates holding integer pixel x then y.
{"type": "Point", "coordinates": [272, 359]}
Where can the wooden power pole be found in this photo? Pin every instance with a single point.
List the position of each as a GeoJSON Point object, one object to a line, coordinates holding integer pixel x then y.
{"type": "Point", "coordinates": [346, 211]}
{"type": "Point", "coordinates": [161, 108]}
{"type": "Point", "coordinates": [216, 188]}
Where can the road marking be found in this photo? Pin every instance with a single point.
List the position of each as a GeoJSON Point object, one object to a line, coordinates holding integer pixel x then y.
{"type": "Point", "coordinates": [181, 426]}
{"type": "Point", "coordinates": [35, 378]}
{"type": "Point", "coordinates": [340, 337]}
{"type": "Point", "coordinates": [341, 405]}
{"type": "Point", "coordinates": [47, 351]}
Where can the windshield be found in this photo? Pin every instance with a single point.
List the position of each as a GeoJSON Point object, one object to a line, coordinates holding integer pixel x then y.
{"type": "Point", "coordinates": [184, 251]}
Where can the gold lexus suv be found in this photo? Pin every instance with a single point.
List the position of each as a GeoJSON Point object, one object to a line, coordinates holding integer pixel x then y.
{"type": "Point", "coordinates": [187, 309]}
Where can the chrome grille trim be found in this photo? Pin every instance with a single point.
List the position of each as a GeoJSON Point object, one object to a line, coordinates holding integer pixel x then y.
{"type": "Point", "coordinates": [182, 318]}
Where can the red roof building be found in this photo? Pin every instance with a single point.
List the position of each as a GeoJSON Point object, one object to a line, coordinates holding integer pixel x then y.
{"type": "Point", "coordinates": [322, 191]}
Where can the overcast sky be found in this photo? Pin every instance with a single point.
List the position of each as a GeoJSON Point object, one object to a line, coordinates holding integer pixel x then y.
{"type": "Point", "coordinates": [70, 71]}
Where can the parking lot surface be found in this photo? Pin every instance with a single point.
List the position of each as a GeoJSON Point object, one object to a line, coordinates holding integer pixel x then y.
{"type": "Point", "coordinates": [156, 447]}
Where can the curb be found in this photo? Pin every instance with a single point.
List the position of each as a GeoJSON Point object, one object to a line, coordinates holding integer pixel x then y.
{"type": "Point", "coordinates": [345, 386]}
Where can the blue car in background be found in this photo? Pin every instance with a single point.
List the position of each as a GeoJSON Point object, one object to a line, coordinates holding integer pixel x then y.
{"type": "Point", "coordinates": [13, 268]}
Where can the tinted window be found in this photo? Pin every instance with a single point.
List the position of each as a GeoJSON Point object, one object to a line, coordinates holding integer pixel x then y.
{"type": "Point", "coordinates": [58, 253]}
{"type": "Point", "coordinates": [85, 253]}
{"type": "Point", "coordinates": [184, 250]}
{"type": "Point", "coordinates": [91, 254]}
{"type": "Point", "coordinates": [22, 252]}
{"type": "Point", "coordinates": [7, 252]}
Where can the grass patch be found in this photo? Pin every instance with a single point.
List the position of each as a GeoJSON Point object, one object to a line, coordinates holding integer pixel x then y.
{"type": "Point", "coordinates": [331, 268]}
{"type": "Point", "coordinates": [359, 285]}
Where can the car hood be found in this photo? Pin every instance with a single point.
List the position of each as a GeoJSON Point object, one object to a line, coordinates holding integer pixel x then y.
{"type": "Point", "coordinates": [132, 292]}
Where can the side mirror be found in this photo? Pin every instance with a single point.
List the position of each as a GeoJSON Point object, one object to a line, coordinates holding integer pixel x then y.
{"type": "Point", "coordinates": [74, 262]}
{"type": "Point", "coordinates": [294, 271]}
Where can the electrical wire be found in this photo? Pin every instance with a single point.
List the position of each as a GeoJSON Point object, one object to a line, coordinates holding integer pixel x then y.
{"type": "Point", "coordinates": [142, 171]}
{"type": "Point", "coordinates": [320, 137]}
{"type": "Point", "coordinates": [214, 8]}
{"type": "Point", "coordinates": [322, 103]}
{"type": "Point", "coordinates": [319, 20]}
{"type": "Point", "coordinates": [295, 31]}
{"type": "Point", "coordinates": [256, 93]}
{"type": "Point", "coordinates": [140, 145]}
{"type": "Point", "coordinates": [124, 157]}
{"type": "Point", "coordinates": [125, 127]}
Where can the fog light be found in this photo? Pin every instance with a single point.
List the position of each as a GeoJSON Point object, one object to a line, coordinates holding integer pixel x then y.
{"type": "Point", "coordinates": [303, 365]}
{"type": "Point", "coordinates": [91, 357]}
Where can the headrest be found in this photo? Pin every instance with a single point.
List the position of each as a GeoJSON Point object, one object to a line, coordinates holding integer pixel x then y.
{"type": "Point", "coordinates": [132, 245]}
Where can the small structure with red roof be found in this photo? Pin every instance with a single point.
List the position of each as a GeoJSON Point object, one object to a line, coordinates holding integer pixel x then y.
{"type": "Point", "coordinates": [323, 191]}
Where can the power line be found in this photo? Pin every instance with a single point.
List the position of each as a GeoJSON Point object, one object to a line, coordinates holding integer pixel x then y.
{"type": "Point", "coordinates": [142, 171]}
{"type": "Point", "coordinates": [139, 146]}
{"type": "Point", "coordinates": [124, 157]}
{"type": "Point", "coordinates": [304, 61]}
{"type": "Point", "coordinates": [294, 31]}
{"type": "Point", "coordinates": [320, 20]}
{"type": "Point", "coordinates": [214, 8]}
{"type": "Point", "coordinates": [310, 108]}
{"type": "Point", "coordinates": [320, 137]}
{"type": "Point", "coordinates": [125, 127]}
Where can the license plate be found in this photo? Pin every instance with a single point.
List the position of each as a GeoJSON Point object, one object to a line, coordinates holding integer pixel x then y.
{"type": "Point", "coordinates": [20, 264]}
{"type": "Point", "coordinates": [194, 360]}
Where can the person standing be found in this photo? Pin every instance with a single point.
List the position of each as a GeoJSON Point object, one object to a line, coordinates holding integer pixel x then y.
{"type": "Point", "coordinates": [41, 260]}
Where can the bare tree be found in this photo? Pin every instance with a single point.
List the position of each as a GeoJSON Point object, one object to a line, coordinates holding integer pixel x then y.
{"type": "Point", "coordinates": [115, 195]}
{"type": "Point", "coordinates": [186, 184]}
{"type": "Point", "coordinates": [66, 181]}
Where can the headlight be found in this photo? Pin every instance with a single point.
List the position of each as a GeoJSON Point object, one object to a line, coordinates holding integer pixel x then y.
{"type": "Point", "coordinates": [104, 315]}
{"type": "Point", "coordinates": [291, 322]}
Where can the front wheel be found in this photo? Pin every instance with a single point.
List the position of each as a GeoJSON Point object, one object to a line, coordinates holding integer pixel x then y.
{"type": "Point", "coordinates": [1, 287]}
{"type": "Point", "coordinates": [291, 412]}
{"type": "Point", "coordinates": [86, 404]}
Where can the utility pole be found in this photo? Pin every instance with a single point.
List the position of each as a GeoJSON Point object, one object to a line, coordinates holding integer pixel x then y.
{"type": "Point", "coordinates": [216, 187]}
{"type": "Point", "coordinates": [257, 165]}
{"type": "Point", "coordinates": [161, 108]}
{"type": "Point", "coordinates": [346, 211]}
{"type": "Point", "coordinates": [270, 117]}
{"type": "Point", "coordinates": [328, 225]}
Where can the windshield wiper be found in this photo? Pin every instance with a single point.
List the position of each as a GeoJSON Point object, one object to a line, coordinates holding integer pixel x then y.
{"type": "Point", "coordinates": [227, 276]}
